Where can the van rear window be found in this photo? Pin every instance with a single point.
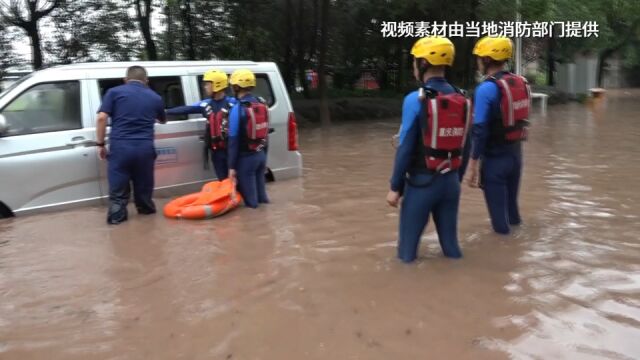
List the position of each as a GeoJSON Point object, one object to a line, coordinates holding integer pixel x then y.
{"type": "Point", "coordinates": [168, 87]}
{"type": "Point", "coordinates": [263, 89]}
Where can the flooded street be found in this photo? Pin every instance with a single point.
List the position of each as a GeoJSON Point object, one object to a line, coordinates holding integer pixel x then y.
{"type": "Point", "coordinates": [314, 275]}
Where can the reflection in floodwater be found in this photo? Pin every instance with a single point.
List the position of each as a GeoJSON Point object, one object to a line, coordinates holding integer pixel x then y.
{"type": "Point", "coordinates": [314, 275]}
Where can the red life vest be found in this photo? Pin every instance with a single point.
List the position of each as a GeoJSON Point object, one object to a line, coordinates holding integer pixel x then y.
{"type": "Point", "coordinates": [219, 127]}
{"type": "Point", "coordinates": [444, 130]}
{"type": "Point", "coordinates": [515, 102]}
{"type": "Point", "coordinates": [257, 129]}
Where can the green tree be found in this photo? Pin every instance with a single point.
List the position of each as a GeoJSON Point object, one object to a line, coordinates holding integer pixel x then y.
{"type": "Point", "coordinates": [325, 18]}
{"type": "Point", "coordinates": [80, 33]}
{"type": "Point", "coordinates": [7, 57]}
{"type": "Point", "coordinates": [27, 14]}
{"type": "Point", "coordinates": [144, 9]}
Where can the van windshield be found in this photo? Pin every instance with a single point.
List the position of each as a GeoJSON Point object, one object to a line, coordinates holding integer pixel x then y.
{"type": "Point", "coordinates": [15, 84]}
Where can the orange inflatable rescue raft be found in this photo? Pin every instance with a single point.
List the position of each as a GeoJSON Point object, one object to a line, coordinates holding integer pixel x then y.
{"type": "Point", "coordinates": [216, 198]}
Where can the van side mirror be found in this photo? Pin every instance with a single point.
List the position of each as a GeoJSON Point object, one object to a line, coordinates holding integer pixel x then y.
{"type": "Point", "coordinates": [4, 126]}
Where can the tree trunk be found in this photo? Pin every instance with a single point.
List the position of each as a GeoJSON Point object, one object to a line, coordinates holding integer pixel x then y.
{"type": "Point", "coordinates": [145, 28]}
{"type": "Point", "coordinates": [551, 64]}
{"type": "Point", "coordinates": [31, 27]}
{"type": "Point", "coordinates": [469, 66]}
{"type": "Point", "coordinates": [314, 30]}
{"type": "Point", "coordinates": [152, 53]}
{"type": "Point", "coordinates": [186, 15]}
{"type": "Point", "coordinates": [288, 35]}
{"type": "Point", "coordinates": [312, 49]}
{"type": "Point", "coordinates": [325, 116]}
{"type": "Point", "coordinates": [171, 52]}
{"type": "Point", "coordinates": [602, 61]}
{"type": "Point", "coordinates": [301, 63]}
{"type": "Point", "coordinates": [34, 35]}
{"type": "Point", "coordinates": [405, 73]}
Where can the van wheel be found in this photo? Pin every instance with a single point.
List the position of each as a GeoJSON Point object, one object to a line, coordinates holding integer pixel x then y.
{"type": "Point", "coordinates": [269, 175]}
{"type": "Point", "coordinates": [5, 212]}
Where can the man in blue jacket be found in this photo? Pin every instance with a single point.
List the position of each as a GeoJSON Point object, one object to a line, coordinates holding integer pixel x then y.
{"type": "Point", "coordinates": [494, 143]}
{"type": "Point", "coordinates": [248, 132]}
{"type": "Point", "coordinates": [134, 110]}
{"type": "Point", "coordinates": [426, 190]}
{"type": "Point", "coordinates": [215, 109]}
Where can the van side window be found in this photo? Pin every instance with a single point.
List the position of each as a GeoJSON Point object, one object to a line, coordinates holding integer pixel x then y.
{"type": "Point", "coordinates": [263, 88]}
{"type": "Point", "coordinates": [168, 87]}
{"type": "Point", "coordinates": [45, 108]}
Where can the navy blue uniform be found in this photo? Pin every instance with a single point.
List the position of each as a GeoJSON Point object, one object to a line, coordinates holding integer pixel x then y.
{"type": "Point", "coordinates": [133, 109]}
{"type": "Point", "coordinates": [218, 157]}
{"type": "Point", "coordinates": [440, 198]}
{"type": "Point", "coordinates": [501, 163]}
{"type": "Point", "coordinates": [249, 165]}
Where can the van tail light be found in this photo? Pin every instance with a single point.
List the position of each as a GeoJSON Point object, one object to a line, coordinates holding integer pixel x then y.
{"type": "Point", "coordinates": [292, 129]}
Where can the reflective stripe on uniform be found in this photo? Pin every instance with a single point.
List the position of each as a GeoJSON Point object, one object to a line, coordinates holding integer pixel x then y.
{"type": "Point", "coordinates": [252, 117]}
{"type": "Point", "coordinates": [434, 124]}
{"type": "Point", "coordinates": [507, 91]}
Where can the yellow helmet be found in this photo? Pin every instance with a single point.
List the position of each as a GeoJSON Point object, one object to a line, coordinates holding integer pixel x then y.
{"type": "Point", "coordinates": [243, 78]}
{"type": "Point", "coordinates": [218, 79]}
{"type": "Point", "coordinates": [497, 48]}
{"type": "Point", "coordinates": [436, 50]}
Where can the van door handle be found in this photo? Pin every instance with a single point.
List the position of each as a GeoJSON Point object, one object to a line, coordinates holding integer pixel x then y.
{"type": "Point", "coordinates": [80, 140]}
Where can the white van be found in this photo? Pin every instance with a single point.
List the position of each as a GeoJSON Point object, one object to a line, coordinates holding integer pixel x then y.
{"type": "Point", "coordinates": [48, 157]}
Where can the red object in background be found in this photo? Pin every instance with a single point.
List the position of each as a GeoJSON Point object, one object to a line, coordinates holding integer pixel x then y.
{"type": "Point", "coordinates": [312, 78]}
{"type": "Point", "coordinates": [367, 82]}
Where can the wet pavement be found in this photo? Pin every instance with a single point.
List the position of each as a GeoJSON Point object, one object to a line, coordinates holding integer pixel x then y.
{"type": "Point", "coordinates": [314, 275]}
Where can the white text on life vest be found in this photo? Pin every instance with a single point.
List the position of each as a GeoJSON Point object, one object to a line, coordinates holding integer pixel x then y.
{"type": "Point", "coordinates": [447, 132]}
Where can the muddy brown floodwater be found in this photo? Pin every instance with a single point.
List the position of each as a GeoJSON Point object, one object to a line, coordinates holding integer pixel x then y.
{"type": "Point", "coordinates": [314, 275]}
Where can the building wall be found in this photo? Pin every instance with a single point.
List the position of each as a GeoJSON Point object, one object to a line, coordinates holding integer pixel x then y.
{"type": "Point", "coordinates": [581, 75]}
{"type": "Point", "coordinates": [615, 76]}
